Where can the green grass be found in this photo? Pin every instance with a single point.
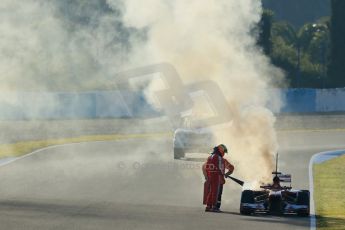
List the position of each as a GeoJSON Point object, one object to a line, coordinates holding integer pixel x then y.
{"type": "Point", "coordinates": [22, 148]}
{"type": "Point", "coordinates": [329, 194]}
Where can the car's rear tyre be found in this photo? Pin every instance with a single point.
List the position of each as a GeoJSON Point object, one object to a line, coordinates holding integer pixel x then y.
{"type": "Point", "coordinates": [248, 198]}
{"type": "Point", "coordinates": [179, 153]}
{"type": "Point", "coordinates": [303, 198]}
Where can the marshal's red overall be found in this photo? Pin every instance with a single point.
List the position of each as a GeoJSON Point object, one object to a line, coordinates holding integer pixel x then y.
{"type": "Point", "coordinates": [214, 171]}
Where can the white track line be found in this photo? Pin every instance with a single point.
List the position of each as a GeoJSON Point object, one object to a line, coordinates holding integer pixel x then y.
{"type": "Point", "coordinates": [311, 182]}
{"type": "Point", "coordinates": [40, 150]}
{"type": "Point", "coordinates": [127, 137]}
{"type": "Point", "coordinates": [52, 147]}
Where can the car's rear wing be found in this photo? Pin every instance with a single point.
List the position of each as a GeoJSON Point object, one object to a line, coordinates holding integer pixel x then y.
{"type": "Point", "coordinates": [271, 187]}
{"type": "Point", "coordinates": [285, 178]}
{"type": "Point", "coordinates": [276, 171]}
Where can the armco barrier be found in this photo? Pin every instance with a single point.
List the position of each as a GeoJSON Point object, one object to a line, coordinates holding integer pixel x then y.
{"type": "Point", "coordinates": [330, 100]}
{"type": "Point", "coordinates": [66, 105]}
{"type": "Point", "coordinates": [313, 100]}
{"type": "Point", "coordinates": [299, 101]}
{"type": "Point", "coordinates": [115, 104]}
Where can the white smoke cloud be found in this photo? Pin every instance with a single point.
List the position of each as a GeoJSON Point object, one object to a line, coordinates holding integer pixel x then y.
{"type": "Point", "coordinates": [60, 45]}
{"type": "Point", "coordinates": [77, 45]}
{"type": "Point", "coordinates": [216, 40]}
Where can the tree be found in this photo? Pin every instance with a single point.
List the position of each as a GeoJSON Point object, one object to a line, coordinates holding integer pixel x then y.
{"type": "Point", "coordinates": [284, 56]}
{"type": "Point", "coordinates": [336, 69]}
{"type": "Point", "coordinates": [313, 35]}
{"type": "Point", "coordinates": [265, 27]}
{"type": "Point", "coordinates": [286, 31]}
{"type": "Point", "coordinates": [301, 55]}
{"type": "Point", "coordinates": [298, 12]}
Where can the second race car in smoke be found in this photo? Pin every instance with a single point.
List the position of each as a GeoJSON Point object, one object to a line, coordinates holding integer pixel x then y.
{"type": "Point", "coordinates": [188, 140]}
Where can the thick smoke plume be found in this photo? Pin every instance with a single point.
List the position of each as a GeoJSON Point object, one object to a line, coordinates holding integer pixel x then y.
{"type": "Point", "coordinates": [216, 40]}
{"type": "Point", "coordinates": [62, 45]}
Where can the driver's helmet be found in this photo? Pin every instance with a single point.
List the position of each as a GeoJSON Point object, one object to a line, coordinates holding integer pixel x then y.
{"type": "Point", "coordinates": [276, 180]}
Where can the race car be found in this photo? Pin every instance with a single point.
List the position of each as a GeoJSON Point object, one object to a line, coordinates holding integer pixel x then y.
{"type": "Point", "coordinates": [196, 128]}
{"type": "Point", "coordinates": [276, 199]}
{"type": "Point", "coordinates": [192, 141]}
{"type": "Point", "coordinates": [198, 140]}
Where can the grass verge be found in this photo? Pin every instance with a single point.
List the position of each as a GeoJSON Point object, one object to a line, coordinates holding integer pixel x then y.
{"type": "Point", "coordinates": [329, 193]}
{"type": "Point", "coordinates": [24, 147]}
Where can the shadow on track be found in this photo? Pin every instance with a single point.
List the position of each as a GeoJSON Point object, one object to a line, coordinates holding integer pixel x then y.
{"type": "Point", "coordinates": [285, 219]}
{"type": "Point", "coordinates": [230, 213]}
{"type": "Point", "coordinates": [322, 221]}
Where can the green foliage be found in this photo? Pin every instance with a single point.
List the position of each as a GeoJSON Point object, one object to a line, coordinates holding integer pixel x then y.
{"type": "Point", "coordinates": [311, 75]}
{"type": "Point", "coordinates": [298, 12]}
{"type": "Point", "coordinates": [302, 53]}
{"type": "Point", "coordinates": [284, 55]}
{"type": "Point", "coordinates": [313, 55]}
{"type": "Point", "coordinates": [313, 35]}
{"type": "Point", "coordinates": [285, 31]}
{"type": "Point", "coordinates": [265, 27]}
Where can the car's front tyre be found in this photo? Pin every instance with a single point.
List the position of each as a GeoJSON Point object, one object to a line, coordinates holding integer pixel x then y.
{"type": "Point", "coordinates": [303, 198]}
{"type": "Point", "coordinates": [247, 197]}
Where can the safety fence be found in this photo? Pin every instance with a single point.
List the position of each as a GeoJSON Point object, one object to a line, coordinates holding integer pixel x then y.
{"type": "Point", "coordinates": [313, 100]}
{"type": "Point", "coordinates": [67, 105]}
{"type": "Point", "coordinates": [117, 104]}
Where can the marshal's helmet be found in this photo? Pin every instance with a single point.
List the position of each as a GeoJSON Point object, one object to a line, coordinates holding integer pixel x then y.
{"type": "Point", "coordinates": [221, 149]}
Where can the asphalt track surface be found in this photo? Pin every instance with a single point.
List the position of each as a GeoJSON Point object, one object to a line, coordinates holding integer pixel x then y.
{"type": "Point", "coordinates": [134, 184]}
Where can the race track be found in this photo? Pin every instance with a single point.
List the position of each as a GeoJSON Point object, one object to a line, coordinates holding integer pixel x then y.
{"type": "Point", "coordinates": [134, 184]}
